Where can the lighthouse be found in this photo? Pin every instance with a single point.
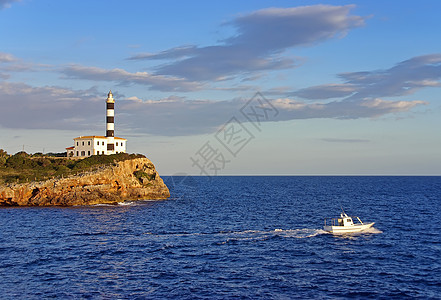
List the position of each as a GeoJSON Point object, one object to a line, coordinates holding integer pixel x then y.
{"type": "Point", "coordinates": [85, 146]}
{"type": "Point", "coordinates": [110, 122]}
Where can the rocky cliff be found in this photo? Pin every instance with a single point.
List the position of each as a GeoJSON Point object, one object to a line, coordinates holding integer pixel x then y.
{"type": "Point", "coordinates": [132, 179]}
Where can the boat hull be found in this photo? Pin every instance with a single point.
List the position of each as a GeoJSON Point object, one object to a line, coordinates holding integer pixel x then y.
{"type": "Point", "coordinates": [348, 229]}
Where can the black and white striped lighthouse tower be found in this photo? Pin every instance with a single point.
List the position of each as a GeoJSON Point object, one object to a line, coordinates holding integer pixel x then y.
{"type": "Point", "coordinates": [110, 123]}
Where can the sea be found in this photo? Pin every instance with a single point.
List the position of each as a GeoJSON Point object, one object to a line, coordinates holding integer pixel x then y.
{"type": "Point", "coordinates": [232, 237]}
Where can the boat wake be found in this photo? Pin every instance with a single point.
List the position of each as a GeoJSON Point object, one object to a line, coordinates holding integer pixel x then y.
{"type": "Point", "coordinates": [299, 233]}
{"type": "Point", "coordinates": [373, 230]}
{"type": "Point", "coordinates": [261, 235]}
{"type": "Point", "coordinates": [225, 237]}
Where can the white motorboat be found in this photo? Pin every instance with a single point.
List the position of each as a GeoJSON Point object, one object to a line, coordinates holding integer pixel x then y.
{"type": "Point", "coordinates": [345, 224]}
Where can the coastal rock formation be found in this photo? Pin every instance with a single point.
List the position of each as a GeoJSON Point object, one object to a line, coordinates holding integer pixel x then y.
{"type": "Point", "coordinates": [131, 179]}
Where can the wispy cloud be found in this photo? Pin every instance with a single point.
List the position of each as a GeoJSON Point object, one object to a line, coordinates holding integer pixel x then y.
{"type": "Point", "coordinates": [326, 91]}
{"type": "Point", "coordinates": [178, 116]}
{"type": "Point", "coordinates": [402, 79]}
{"type": "Point", "coordinates": [157, 82]}
{"type": "Point", "coordinates": [11, 64]}
{"type": "Point", "coordinates": [6, 57]}
{"type": "Point", "coordinates": [339, 140]}
{"type": "Point", "coordinates": [5, 60]}
{"type": "Point", "coordinates": [28, 107]}
{"type": "Point", "coordinates": [368, 108]}
{"type": "Point", "coordinates": [7, 3]}
{"type": "Point", "coordinates": [261, 38]}
{"type": "Point", "coordinates": [54, 107]}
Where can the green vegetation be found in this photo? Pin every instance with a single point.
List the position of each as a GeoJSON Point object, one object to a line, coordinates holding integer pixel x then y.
{"type": "Point", "coordinates": [141, 174]}
{"type": "Point", "coordinates": [22, 167]}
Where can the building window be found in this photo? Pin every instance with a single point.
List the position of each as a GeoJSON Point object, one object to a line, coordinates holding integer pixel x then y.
{"type": "Point", "coordinates": [97, 143]}
{"type": "Point", "coordinates": [117, 144]}
{"type": "Point", "coordinates": [77, 143]}
{"type": "Point", "coordinates": [83, 153]}
{"type": "Point", "coordinates": [103, 143]}
{"type": "Point", "coordinates": [88, 152]}
{"type": "Point", "coordinates": [77, 153]}
{"type": "Point", "coordinates": [83, 143]}
{"type": "Point", "coordinates": [88, 143]}
{"type": "Point", "coordinates": [121, 144]}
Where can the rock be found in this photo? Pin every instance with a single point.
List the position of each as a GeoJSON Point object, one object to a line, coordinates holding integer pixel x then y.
{"type": "Point", "coordinates": [132, 179]}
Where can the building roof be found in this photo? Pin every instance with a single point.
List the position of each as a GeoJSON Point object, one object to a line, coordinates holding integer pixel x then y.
{"type": "Point", "coordinates": [97, 137]}
{"type": "Point", "coordinates": [70, 148]}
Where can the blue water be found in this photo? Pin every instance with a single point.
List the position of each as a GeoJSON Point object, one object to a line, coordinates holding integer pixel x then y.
{"type": "Point", "coordinates": [232, 238]}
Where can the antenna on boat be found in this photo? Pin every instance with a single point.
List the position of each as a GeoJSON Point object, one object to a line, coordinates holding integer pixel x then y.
{"type": "Point", "coordinates": [344, 213]}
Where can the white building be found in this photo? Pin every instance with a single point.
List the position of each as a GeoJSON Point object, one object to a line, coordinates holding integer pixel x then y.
{"type": "Point", "coordinates": [85, 146]}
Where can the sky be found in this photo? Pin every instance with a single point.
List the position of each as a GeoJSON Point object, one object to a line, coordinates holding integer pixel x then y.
{"type": "Point", "coordinates": [229, 87]}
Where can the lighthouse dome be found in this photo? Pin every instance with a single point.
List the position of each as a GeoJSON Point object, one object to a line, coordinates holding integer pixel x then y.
{"type": "Point", "coordinates": [110, 97]}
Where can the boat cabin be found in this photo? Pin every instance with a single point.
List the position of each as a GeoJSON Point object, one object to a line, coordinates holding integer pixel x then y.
{"type": "Point", "coordinates": [345, 221]}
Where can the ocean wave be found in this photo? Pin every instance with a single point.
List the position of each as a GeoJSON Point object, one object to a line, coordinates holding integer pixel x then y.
{"type": "Point", "coordinates": [126, 203]}
{"type": "Point", "coordinates": [104, 205]}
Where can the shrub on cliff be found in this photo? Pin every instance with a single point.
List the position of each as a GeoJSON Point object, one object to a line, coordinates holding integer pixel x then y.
{"type": "Point", "coordinates": [43, 162]}
{"type": "Point", "coordinates": [3, 153]}
{"type": "Point", "coordinates": [22, 167]}
{"type": "Point", "coordinates": [3, 157]}
{"type": "Point", "coordinates": [62, 170]}
{"type": "Point", "coordinates": [20, 160]}
{"type": "Point", "coordinates": [58, 154]}
{"type": "Point", "coordinates": [142, 176]}
{"type": "Point", "coordinates": [97, 160]}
